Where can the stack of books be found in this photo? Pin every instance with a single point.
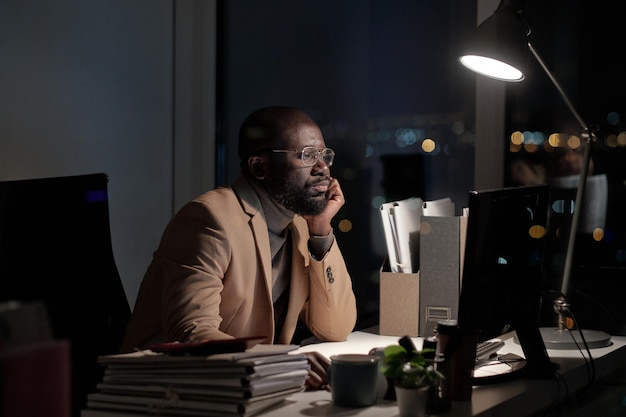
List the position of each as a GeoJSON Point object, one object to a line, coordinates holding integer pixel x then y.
{"type": "Point", "coordinates": [173, 382]}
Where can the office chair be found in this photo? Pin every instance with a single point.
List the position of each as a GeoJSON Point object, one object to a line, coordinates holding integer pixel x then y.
{"type": "Point", "coordinates": [55, 247]}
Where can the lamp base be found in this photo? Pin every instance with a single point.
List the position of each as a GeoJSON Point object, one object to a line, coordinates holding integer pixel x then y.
{"type": "Point", "coordinates": [555, 338]}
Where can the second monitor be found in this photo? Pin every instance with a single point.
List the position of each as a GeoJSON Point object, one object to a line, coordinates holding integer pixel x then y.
{"type": "Point", "coordinates": [502, 279]}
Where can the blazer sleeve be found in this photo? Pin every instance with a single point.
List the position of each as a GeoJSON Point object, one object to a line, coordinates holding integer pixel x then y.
{"type": "Point", "coordinates": [330, 312]}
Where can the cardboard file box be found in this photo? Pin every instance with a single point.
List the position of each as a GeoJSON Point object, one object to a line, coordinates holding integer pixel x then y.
{"type": "Point", "coordinates": [399, 303]}
{"type": "Point", "coordinates": [412, 304]}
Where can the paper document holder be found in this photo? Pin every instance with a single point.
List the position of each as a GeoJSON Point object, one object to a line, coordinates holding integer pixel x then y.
{"type": "Point", "coordinates": [413, 303]}
{"type": "Point", "coordinates": [399, 302]}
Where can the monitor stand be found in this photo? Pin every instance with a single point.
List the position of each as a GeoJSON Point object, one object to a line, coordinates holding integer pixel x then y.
{"type": "Point", "coordinates": [510, 366]}
{"type": "Point", "coordinates": [555, 338]}
{"type": "Point", "coordinates": [535, 364]}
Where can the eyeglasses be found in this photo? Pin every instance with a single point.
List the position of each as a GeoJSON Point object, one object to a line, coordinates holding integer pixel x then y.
{"type": "Point", "coordinates": [310, 155]}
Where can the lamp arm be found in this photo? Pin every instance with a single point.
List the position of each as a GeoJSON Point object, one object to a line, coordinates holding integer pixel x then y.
{"type": "Point", "coordinates": [582, 181]}
{"type": "Point", "coordinates": [582, 184]}
{"type": "Point", "coordinates": [558, 87]}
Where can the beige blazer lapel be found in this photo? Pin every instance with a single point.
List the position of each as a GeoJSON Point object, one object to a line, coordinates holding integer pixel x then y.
{"type": "Point", "coordinates": [262, 240]}
{"type": "Point", "coordinates": [252, 206]}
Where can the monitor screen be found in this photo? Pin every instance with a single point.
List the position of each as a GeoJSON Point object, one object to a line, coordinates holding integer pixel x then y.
{"type": "Point", "coordinates": [502, 279]}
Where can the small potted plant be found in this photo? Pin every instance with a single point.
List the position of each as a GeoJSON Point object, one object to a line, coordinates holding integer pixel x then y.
{"type": "Point", "coordinates": [413, 377]}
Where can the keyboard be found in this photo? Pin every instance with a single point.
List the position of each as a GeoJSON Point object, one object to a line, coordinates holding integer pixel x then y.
{"type": "Point", "coordinates": [485, 349]}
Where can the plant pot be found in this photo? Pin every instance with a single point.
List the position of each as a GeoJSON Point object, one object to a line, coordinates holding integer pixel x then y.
{"type": "Point", "coordinates": [412, 401]}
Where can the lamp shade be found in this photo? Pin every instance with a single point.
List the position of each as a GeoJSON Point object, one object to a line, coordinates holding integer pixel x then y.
{"type": "Point", "coordinates": [498, 48]}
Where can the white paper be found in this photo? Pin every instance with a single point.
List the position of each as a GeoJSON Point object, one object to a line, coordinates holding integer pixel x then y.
{"type": "Point", "coordinates": [401, 223]}
{"type": "Point", "coordinates": [438, 208]}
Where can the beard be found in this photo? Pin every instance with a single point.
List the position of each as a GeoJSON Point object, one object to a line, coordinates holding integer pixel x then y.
{"type": "Point", "coordinates": [296, 198]}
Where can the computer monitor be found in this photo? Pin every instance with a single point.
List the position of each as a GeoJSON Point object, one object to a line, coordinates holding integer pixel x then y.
{"type": "Point", "coordinates": [502, 278]}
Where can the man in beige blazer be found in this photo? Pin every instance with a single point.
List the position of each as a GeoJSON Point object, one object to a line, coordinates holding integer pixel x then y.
{"type": "Point", "coordinates": [258, 257]}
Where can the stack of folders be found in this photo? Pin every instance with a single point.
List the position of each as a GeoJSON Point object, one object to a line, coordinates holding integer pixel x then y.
{"type": "Point", "coordinates": [401, 224]}
{"type": "Point", "coordinates": [173, 383]}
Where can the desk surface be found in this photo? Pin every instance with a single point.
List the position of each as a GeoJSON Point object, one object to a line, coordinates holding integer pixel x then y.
{"type": "Point", "coordinates": [519, 397]}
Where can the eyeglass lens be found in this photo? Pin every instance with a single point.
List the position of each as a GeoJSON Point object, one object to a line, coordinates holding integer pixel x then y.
{"type": "Point", "coordinates": [310, 155]}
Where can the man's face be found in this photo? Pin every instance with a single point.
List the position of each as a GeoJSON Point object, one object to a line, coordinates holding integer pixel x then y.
{"type": "Point", "coordinates": [299, 188]}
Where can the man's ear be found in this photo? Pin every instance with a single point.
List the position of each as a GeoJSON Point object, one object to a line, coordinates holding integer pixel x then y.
{"type": "Point", "coordinates": [256, 166]}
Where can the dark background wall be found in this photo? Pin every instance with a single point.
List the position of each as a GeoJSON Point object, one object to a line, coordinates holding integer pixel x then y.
{"type": "Point", "coordinates": [87, 87]}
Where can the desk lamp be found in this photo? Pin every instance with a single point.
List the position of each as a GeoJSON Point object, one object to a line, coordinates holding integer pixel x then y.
{"type": "Point", "coordinates": [499, 50]}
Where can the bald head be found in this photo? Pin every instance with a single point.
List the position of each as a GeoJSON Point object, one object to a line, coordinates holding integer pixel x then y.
{"type": "Point", "coordinates": [270, 127]}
